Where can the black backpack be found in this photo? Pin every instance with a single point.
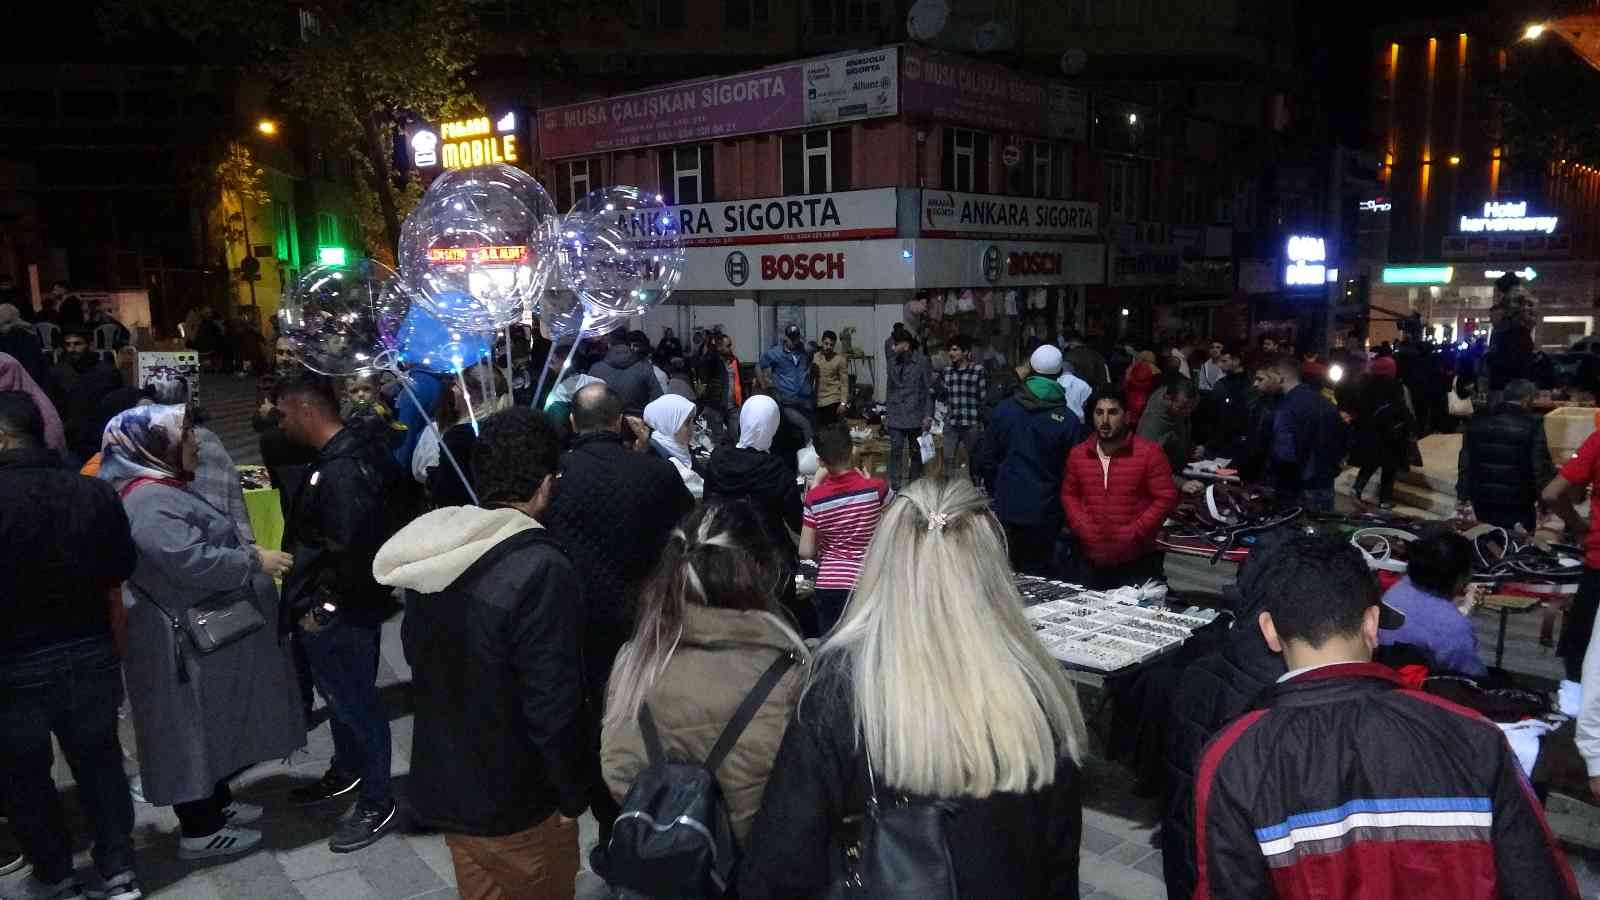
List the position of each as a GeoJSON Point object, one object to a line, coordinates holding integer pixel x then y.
{"type": "Point", "coordinates": [674, 838]}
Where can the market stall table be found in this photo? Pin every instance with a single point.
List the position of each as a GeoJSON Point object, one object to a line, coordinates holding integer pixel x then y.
{"type": "Point", "coordinates": [1507, 604]}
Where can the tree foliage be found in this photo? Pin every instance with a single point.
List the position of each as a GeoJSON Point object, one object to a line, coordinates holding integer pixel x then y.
{"type": "Point", "coordinates": [1547, 95]}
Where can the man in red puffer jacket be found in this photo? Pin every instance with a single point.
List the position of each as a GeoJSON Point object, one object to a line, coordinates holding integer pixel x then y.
{"type": "Point", "coordinates": [1117, 491]}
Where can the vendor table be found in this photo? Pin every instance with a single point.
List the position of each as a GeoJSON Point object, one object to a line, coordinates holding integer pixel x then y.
{"type": "Point", "coordinates": [266, 517]}
{"type": "Point", "coordinates": [1507, 604]}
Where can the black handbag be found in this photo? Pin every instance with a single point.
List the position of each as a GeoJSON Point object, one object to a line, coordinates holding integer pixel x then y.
{"type": "Point", "coordinates": [903, 852]}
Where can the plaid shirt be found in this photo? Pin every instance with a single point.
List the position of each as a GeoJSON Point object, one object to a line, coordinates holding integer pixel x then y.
{"type": "Point", "coordinates": [965, 390]}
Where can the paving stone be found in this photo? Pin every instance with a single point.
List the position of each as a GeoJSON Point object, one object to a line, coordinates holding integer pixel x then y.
{"type": "Point", "coordinates": [195, 887]}
{"type": "Point", "coordinates": [253, 875]}
{"type": "Point", "coordinates": [435, 855]}
{"type": "Point", "coordinates": [346, 885]}
{"type": "Point", "coordinates": [394, 869]}
{"type": "Point", "coordinates": [314, 859]}
{"type": "Point", "coordinates": [1098, 841]}
{"type": "Point", "coordinates": [1129, 854]}
{"type": "Point", "coordinates": [1151, 865]}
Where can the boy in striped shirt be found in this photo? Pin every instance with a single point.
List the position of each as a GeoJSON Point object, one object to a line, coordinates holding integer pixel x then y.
{"type": "Point", "coordinates": [841, 514]}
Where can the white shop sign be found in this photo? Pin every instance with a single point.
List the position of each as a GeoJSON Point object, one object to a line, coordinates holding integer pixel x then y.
{"type": "Point", "coordinates": [821, 266]}
{"type": "Point", "coordinates": [952, 264]}
{"type": "Point", "coordinates": [859, 86]}
{"type": "Point", "coordinates": [811, 217]}
{"type": "Point", "coordinates": [949, 214]}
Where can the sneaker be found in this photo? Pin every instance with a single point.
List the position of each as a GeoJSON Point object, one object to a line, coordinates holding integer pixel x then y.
{"type": "Point", "coordinates": [225, 841]}
{"type": "Point", "coordinates": [237, 813]}
{"type": "Point", "coordinates": [31, 888]}
{"type": "Point", "coordinates": [334, 784]}
{"type": "Point", "coordinates": [121, 886]}
{"type": "Point", "coordinates": [363, 826]}
{"type": "Point", "coordinates": [10, 866]}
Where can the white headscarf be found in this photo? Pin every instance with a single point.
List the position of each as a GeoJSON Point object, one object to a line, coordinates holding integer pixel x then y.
{"type": "Point", "coordinates": [758, 423]}
{"type": "Point", "coordinates": [665, 415]}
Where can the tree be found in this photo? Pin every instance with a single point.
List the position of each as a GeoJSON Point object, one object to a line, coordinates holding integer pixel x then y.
{"type": "Point", "coordinates": [349, 70]}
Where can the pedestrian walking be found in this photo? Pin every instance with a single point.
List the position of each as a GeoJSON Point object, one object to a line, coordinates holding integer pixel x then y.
{"type": "Point", "coordinates": [840, 516]}
{"type": "Point", "coordinates": [1505, 461]}
{"type": "Point", "coordinates": [965, 389]}
{"type": "Point", "coordinates": [909, 404]}
{"type": "Point", "coordinates": [1383, 432]}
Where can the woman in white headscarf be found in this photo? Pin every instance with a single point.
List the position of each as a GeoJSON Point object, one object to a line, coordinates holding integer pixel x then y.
{"type": "Point", "coordinates": [671, 421]}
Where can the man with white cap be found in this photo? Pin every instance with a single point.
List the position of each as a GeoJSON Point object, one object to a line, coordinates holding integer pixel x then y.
{"type": "Point", "coordinates": [1024, 455]}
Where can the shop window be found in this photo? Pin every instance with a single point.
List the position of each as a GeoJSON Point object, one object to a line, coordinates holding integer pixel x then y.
{"type": "Point", "coordinates": [745, 15]}
{"type": "Point", "coordinates": [1127, 189]}
{"type": "Point", "coordinates": [664, 14]}
{"type": "Point", "coordinates": [816, 162]}
{"type": "Point", "coordinates": [574, 179]}
{"type": "Point", "coordinates": [327, 229]}
{"type": "Point", "coordinates": [966, 160]}
{"type": "Point", "coordinates": [686, 173]}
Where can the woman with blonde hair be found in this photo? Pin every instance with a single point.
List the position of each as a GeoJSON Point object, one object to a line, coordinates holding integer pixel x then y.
{"type": "Point", "coordinates": [934, 683]}
{"type": "Point", "coordinates": [709, 625]}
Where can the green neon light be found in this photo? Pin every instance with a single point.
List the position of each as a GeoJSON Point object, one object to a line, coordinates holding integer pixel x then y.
{"type": "Point", "coordinates": [330, 256]}
{"type": "Point", "coordinates": [1418, 274]}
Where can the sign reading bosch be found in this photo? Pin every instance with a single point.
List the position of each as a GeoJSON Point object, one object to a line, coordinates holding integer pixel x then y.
{"type": "Point", "coordinates": [948, 214]}
{"type": "Point", "coordinates": [780, 267]}
{"type": "Point", "coordinates": [1018, 264]}
{"type": "Point", "coordinates": [737, 268]}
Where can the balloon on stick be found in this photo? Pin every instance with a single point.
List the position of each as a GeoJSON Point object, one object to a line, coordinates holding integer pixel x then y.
{"type": "Point", "coordinates": [331, 316]}
{"type": "Point", "coordinates": [621, 251]}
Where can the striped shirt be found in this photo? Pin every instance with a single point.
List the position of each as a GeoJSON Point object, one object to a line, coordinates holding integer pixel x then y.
{"type": "Point", "coordinates": [843, 511]}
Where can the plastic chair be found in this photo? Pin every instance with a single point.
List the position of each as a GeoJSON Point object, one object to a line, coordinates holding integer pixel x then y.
{"type": "Point", "coordinates": [105, 342]}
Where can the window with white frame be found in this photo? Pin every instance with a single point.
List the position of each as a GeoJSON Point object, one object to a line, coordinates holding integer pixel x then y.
{"type": "Point", "coordinates": [816, 162]}
{"type": "Point", "coordinates": [686, 173]}
{"type": "Point", "coordinates": [574, 179]}
{"type": "Point", "coordinates": [966, 160]}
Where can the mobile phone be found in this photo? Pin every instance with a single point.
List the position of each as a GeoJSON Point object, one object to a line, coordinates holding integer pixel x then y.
{"type": "Point", "coordinates": [324, 612]}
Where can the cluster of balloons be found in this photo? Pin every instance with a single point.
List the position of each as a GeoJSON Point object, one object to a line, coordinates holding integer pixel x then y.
{"type": "Point", "coordinates": [485, 249]}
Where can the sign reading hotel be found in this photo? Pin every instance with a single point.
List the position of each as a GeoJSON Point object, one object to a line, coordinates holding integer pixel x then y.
{"type": "Point", "coordinates": [949, 214]}
{"type": "Point", "coordinates": [813, 217]}
{"type": "Point", "coordinates": [464, 143]}
{"type": "Point", "coordinates": [1508, 216]}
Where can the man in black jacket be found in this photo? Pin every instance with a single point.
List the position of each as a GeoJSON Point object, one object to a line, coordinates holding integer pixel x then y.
{"type": "Point", "coordinates": [64, 545]}
{"type": "Point", "coordinates": [1343, 783]}
{"type": "Point", "coordinates": [341, 517]}
{"type": "Point", "coordinates": [629, 373]}
{"type": "Point", "coordinates": [500, 756]}
{"type": "Point", "coordinates": [1505, 461]}
{"type": "Point", "coordinates": [613, 511]}
{"type": "Point", "coordinates": [82, 379]}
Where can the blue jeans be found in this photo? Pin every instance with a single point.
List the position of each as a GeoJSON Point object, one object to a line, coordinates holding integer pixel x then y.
{"type": "Point", "coordinates": [70, 690]}
{"type": "Point", "coordinates": [902, 441]}
{"type": "Point", "coordinates": [344, 663]}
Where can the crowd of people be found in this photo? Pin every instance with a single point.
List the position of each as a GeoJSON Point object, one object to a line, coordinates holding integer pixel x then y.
{"type": "Point", "coordinates": [601, 615]}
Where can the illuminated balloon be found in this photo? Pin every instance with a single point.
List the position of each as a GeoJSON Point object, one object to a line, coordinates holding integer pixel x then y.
{"type": "Point", "coordinates": [479, 248]}
{"type": "Point", "coordinates": [331, 315]}
{"type": "Point", "coordinates": [423, 342]}
{"type": "Point", "coordinates": [563, 317]}
{"type": "Point", "coordinates": [621, 251]}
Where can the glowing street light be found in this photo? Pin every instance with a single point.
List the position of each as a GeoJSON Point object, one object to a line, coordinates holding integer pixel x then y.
{"type": "Point", "coordinates": [1533, 32]}
{"type": "Point", "coordinates": [267, 127]}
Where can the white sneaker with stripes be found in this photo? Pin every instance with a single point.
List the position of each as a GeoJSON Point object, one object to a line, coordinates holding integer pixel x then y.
{"type": "Point", "coordinates": [225, 841]}
{"type": "Point", "coordinates": [237, 813]}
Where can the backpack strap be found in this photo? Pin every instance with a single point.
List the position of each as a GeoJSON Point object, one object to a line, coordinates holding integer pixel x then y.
{"type": "Point", "coordinates": [747, 711]}
{"type": "Point", "coordinates": [653, 753]}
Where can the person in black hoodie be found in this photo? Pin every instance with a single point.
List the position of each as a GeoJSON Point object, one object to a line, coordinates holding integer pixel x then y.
{"type": "Point", "coordinates": [81, 381]}
{"type": "Point", "coordinates": [1214, 690]}
{"type": "Point", "coordinates": [613, 511]}
{"type": "Point", "coordinates": [334, 606]}
{"type": "Point", "coordinates": [499, 756]}
{"type": "Point", "coordinates": [629, 373]}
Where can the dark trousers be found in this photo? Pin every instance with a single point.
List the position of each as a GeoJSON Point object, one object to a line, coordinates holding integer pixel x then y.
{"type": "Point", "coordinates": [832, 414]}
{"type": "Point", "coordinates": [344, 662]}
{"type": "Point", "coordinates": [901, 441]}
{"type": "Point", "coordinates": [1575, 632]}
{"type": "Point", "coordinates": [1150, 567]}
{"type": "Point", "coordinates": [1032, 548]}
{"type": "Point", "coordinates": [1386, 475]}
{"type": "Point", "coordinates": [830, 603]}
{"type": "Point", "coordinates": [202, 817]}
{"type": "Point", "coordinates": [1506, 516]}
{"type": "Point", "coordinates": [72, 691]}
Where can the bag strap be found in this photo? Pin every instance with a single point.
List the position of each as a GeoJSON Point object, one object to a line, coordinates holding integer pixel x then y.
{"type": "Point", "coordinates": [747, 710]}
{"type": "Point", "coordinates": [653, 753]}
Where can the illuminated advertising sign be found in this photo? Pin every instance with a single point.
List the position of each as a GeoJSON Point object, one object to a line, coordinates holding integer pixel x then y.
{"type": "Point", "coordinates": [504, 256]}
{"type": "Point", "coordinates": [1509, 216]}
{"type": "Point", "coordinates": [1418, 274]}
{"type": "Point", "coordinates": [1307, 261]}
{"type": "Point", "coordinates": [1378, 205]}
{"type": "Point", "coordinates": [463, 143]}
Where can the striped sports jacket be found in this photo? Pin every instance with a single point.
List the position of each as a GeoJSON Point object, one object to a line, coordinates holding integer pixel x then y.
{"type": "Point", "coordinates": [1343, 784]}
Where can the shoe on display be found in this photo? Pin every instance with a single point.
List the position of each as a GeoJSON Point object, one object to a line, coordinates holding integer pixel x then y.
{"type": "Point", "coordinates": [9, 866]}
{"type": "Point", "coordinates": [237, 813]}
{"type": "Point", "coordinates": [225, 841]}
{"type": "Point", "coordinates": [363, 826]}
{"type": "Point", "coordinates": [31, 888]}
{"type": "Point", "coordinates": [333, 784]}
{"type": "Point", "coordinates": [121, 886]}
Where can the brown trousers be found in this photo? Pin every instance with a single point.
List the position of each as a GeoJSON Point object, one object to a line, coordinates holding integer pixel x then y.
{"type": "Point", "coordinates": [540, 863]}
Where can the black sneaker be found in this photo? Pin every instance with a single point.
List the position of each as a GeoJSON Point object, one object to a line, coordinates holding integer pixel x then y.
{"type": "Point", "coordinates": [363, 826]}
{"type": "Point", "coordinates": [334, 784]}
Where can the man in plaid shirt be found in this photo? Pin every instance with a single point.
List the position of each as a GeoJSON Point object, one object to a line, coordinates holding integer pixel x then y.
{"type": "Point", "coordinates": [966, 384]}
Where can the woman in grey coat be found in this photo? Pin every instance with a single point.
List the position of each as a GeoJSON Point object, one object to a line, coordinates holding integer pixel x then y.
{"type": "Point", "coordinates": [198, 719]}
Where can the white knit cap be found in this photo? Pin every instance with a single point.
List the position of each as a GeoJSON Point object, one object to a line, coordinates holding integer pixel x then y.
{"type": "Point", "coordinates": [1046, 360]}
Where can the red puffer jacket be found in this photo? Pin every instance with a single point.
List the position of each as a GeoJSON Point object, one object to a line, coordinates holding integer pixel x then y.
{"type": "Point", "coordinates": [1117, 514]}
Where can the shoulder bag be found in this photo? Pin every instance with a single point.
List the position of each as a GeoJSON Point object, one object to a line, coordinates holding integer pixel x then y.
{"type": "Point", "coordinates": [1457, 404]}
{"type": "Point", "coordinates": [211, 624]}
{"type": "Point", "coordinates": [903, 852]}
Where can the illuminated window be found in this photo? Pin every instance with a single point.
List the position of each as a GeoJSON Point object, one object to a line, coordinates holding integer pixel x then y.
{"type": "Point", "coordinates": [686, 173]}
{"type": "Point", "coordinates": [816, 162]}
{"type": "Point", "coordinates": [966, 160]}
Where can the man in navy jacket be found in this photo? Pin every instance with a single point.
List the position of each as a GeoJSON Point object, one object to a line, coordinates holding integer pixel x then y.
{"type": "Point", "coordinates": [1307, 439]}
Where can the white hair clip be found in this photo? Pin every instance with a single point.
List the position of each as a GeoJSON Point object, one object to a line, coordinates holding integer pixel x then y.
{"type": "Point", "coordinates": [937, 521]}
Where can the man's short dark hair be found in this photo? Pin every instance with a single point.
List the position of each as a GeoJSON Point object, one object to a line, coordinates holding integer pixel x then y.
{"type": "Point", "coordinates": [834, 446]}
{"type": "Point", "coordinates": [1103, 392]}
{"type": "Point", "coordinates": [517, 448]}
{"type": "Point", "coordinates": [20, 418]}
{"type": "Point", "coordinates": [828, 335]}
{"type": "Point", "coordinates": [1182, 389]}
{"type": "Point", "coordinates": [961, 342]}
{"type": "Point", "coordinates": [315, 389]}
{"type": "Point", "coordinates": [1316, 589]}
{"type": "Point", "coordinates": [1285, 364]}
{"type": "Point", "coordinates": [75, 331]}
{"type": "Point", "coordinates": [618, 338]}
{"type": "Point", "coordinates": [1439, 561]}
{"type": "Point", "coordinates": [596, 407]}
{"type": "Point", "coordinates": [638, 339]}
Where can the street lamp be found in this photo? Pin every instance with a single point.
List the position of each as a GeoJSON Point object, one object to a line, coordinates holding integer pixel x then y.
{"type": "Point", "coordinates": [1533, 32]}
{"type": "Point", "coordinates": [267, 127]}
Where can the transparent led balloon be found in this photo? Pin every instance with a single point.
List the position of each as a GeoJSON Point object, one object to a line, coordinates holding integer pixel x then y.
{"type": "Point", "coordinates": [331, 316]}
{"type": "Point", "coordinates": [419, 340]}
{"type": "Point", "coordinates": [479, 248]}
{"type": "Point", "coordinates": [563, 317]}
{"type": "Point", "coordinates": [621, 251]}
